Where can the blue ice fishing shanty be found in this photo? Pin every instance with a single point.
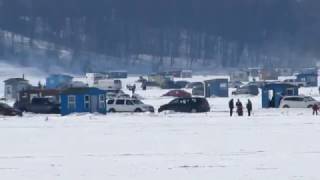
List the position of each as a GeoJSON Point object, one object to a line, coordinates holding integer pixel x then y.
{"type": "Point", "coordinates": [216, 87]}
{"type": "Point", "coordinates": [83, 100]}
{"type": "Point", "coordinates": [272, 93]}
{"type": "Point", "coordinates": [309, 76]}
{"type": "Point", "coordinates": [58, 81]}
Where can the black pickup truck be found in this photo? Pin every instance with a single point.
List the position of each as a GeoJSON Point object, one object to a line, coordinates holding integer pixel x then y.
{"type": "Point", "coordinates": [37, 105]}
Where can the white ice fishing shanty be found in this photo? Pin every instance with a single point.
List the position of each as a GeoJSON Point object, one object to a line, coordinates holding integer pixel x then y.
{"type": "Point", "coordinates": [13, 86]}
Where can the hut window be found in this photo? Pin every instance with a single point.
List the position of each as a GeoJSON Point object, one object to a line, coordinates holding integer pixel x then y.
{"type": "Point", "coordinates": [290, 92]}
{"type": "Point", "coordinates": [223, 85]}
{"type": "Point", "coordinates": [120, 102]}
{"type": "Point", "coordinates": [101, 101]}
{"type": "Point", "coordinates": [9, 89]}
{"type": "Point", "coordinates": [86, 101]}
{"type": "Point", "coordinates": [71, 102]}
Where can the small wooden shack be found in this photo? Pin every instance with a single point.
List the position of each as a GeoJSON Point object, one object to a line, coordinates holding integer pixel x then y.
{"type": "Point", "coordinates": [272, 93]}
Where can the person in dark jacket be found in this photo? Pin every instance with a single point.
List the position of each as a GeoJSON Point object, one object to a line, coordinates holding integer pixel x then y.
{"type": "Point", "coordinates": [249, 107]}
{"type": "Point", "coordinates": [239, 108]}
{"type": "Point", "coordinates": [231, 107]}
{"type": "Point", "coordinates": [315, 109]}
{"type": "Point", "coordinates": [133, 89]}
{"type": "Point", "coordinates": [144, 85]}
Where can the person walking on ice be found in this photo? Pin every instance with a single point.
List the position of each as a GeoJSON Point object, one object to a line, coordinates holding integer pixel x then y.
{"type": "Point", "coordinates": [315, 109]}
{"type": "Point", "coordinates": [249, 107]}
{"type": "Point", "coordinates": [231, 107]}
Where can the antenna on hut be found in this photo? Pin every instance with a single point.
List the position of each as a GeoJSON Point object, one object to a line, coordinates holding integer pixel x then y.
{"type": "Point", "coordinates": [22, 76]}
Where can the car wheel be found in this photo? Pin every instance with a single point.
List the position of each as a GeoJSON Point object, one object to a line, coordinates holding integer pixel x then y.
{"type": "Point", "coordinates": [138, 110]}
{"type": "Point", "coordinates": [286, 106]}
{"type": "Point", "coordinates": [112, 110]}
{"type": "Point", "coordinates": [310, 106]}
{"type": "Point", "coordinates": [194, 111]}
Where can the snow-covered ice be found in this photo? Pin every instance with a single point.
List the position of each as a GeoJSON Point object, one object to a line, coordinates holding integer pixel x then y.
{"type": "Point", "coordinates": [277, 144]}
{"type": "Point", "coordinates": [271, 145]}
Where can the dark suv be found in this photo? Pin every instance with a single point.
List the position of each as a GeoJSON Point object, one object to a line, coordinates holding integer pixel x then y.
{"type": "Point", "coordinates": [191, 105]}
{"type": "Point", "coordinates": [41, 105]}
{"type": "Point", "coordinates": [247, 89]}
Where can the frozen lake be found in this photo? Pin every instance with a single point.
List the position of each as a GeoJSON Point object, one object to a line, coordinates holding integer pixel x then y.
{"type": "Point", "coordinates": [277, 144]}
{"type": "Point", "coordinates": [272, 144]}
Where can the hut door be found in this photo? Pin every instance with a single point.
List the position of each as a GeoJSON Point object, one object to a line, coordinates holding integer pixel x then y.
{"type": "Point", "coordinates": [272, 98]}
{"type": "Point", "coordinates": [290, 92]}
{"type": "Point", "coordinates": [94, 103]}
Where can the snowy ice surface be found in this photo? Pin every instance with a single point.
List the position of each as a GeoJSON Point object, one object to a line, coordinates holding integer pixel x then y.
{"type": "Point", "coordinates": [277, 144]}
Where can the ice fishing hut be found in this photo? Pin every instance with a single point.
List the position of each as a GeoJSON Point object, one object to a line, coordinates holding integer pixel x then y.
{"type": "Point", "coordinates": [13, 87]}
{"type": "Point", "coordinates": [272, 93]}
{"type": "Point", "coordinates": [117, 74]}
{"type": "Point", "coordinates": [83, 100]}
{"type": "Point", "coordinates": [94, 78]}
{"type": "Point", "coordinates": [58, 81]}
{"type": "Point", "coordinates": [309, 76]}
{"type": "Point", "coordinates": [216, 87]}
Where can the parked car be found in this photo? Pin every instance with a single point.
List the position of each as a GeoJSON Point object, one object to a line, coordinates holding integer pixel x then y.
{"type": "Point", "coordinates": [111, 94]}
{"type": "Point", "coordinates": [128, 105]}
{"type": "Point", "coordinates": [247, 89]}
{"type": "Point", "coordinates": [177, 93]}
{"type": "Point", "coordinates": [191, 105]}
{"type": "Point", "coordinates": [7, 110]}
{"type": "Point", "coordinates": [235, 84]}
{"type": "Point", "coordinates": [298, 102]}
{"type": "Point", "coordinates": [39, 105]}
{"type": "Point", "coordinates": [260, 84]}
{"type": "Point", "coordinates": [109, 84]}
{"type": "Point", "coordinates": [295, 82]}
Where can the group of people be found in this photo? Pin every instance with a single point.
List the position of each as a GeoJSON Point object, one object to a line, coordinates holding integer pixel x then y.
{"type": "Point", "coordinates": [133, 87]}
{"type": "Point", "coordinates": [239, 107]}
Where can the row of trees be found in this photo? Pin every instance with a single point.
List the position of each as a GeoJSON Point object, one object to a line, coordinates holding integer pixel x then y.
{"type": "Point", "coordinates": [227, 33]}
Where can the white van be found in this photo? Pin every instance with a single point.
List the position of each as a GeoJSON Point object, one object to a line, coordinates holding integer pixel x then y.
{"type": "Point", "coordinates": [94, 78]}
{"type": "Point", "coordinates": [109, 84]}
{"type": "Point", "coordinates": [128, 105]}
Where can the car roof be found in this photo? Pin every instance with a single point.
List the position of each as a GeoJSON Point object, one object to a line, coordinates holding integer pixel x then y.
{"type": "Point", "coordinates": [124, 98]}
{"type": "Point", "coordinates": [296, 96]}
{"type": "Point", "coordinates": [189, 98]}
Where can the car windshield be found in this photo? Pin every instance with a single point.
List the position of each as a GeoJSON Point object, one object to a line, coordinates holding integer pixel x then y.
{"type": "Point", "coordinates": [4, 105]}
{"type": "Point", "coordinates": [136, 101]}
{"type": "Point", "coordinates": [309, 99]}
{"type": "Point", "coordinates": [176, 101]}
{"type": "Point", "coordinates": [40, 100]}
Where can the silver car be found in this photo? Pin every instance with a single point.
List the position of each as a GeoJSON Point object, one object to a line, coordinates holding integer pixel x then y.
{"type": "Point", "coordinates": [298, 102]}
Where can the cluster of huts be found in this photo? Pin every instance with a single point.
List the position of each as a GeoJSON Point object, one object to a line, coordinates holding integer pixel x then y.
{"type": "Point", "coordinates": [273, 89]}
{"type": "Point", "coordinates": [307, 77]}
{"type": "Point", "coordinates": [73, 96]}
{"type": "Point", "coordinates": [77, 96]}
